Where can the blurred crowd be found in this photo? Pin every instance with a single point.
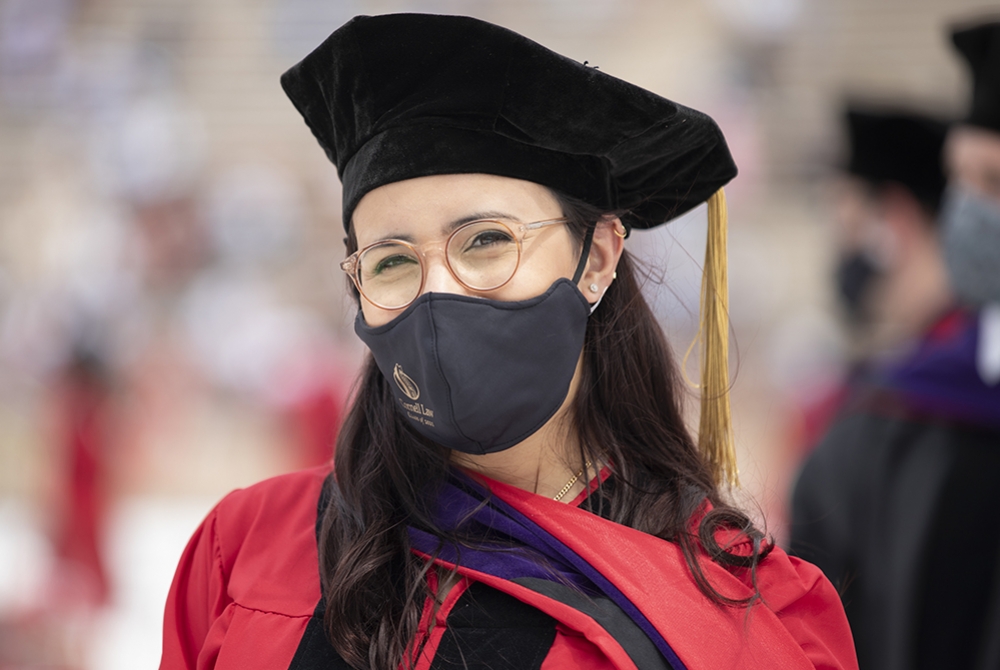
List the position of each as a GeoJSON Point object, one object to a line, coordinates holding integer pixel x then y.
{"type": "Point", "coordinates": [173, 323]}
{"type": "Point", "coordinates": [167, 325]}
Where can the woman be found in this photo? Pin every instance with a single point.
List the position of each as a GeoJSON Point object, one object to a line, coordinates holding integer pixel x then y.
{"type": "Point", "coordinates": [514, 486]}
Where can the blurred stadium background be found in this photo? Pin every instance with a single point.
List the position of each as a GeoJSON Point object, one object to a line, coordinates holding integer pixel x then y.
{"type": "Point", "coordinates": [173, 323]}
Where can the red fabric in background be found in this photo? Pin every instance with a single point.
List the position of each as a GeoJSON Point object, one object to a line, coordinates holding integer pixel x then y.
{"type": "Point", "coordinates": [81, 402]}
{"type": "Point", "coordinates": [315, 419]}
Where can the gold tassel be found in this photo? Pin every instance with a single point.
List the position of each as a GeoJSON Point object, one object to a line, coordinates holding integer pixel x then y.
{"type": "Point", "coordinates": [715, 430]}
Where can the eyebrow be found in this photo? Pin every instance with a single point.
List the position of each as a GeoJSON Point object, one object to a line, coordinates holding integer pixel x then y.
{"type": "Point", "coordinates": [448, 228]}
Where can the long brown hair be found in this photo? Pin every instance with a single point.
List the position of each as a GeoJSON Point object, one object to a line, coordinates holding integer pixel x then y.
{"type": "Point", "coordinates": [626, 412]}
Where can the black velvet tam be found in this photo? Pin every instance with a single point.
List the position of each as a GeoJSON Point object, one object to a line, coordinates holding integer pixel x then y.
{"type": "Point", "coordinates": [979, 44]}
{"type": "Point", "coordinates": [399, 96]}
{"type": "Point", "coordinates": [898, 146]}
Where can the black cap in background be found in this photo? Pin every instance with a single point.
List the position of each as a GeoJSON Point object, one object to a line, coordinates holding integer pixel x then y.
{"type": "Point", "coordinates": [979, 44]}
{"type": "Point", "coordinates": [898, 146]}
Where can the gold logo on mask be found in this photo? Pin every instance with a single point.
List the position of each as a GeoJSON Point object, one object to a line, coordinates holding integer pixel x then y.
{"type": "Point", "coordinates": [405, 384]}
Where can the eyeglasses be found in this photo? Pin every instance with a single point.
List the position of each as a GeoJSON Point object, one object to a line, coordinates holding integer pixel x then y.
{"type": "Point", "coordinates": [481, 255]}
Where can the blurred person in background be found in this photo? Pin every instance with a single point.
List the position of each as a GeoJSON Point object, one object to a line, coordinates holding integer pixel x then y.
{"type": "Point", "coordinates": [890, 277]}
{"type": "Point", "coordinates": [84, 415]}
{"type": "Point", "coordinates": [514, 486]}
{"type": "Point", "coordinates": [899, 504]}
{"type": "Point", "coordinates": [890, 273]}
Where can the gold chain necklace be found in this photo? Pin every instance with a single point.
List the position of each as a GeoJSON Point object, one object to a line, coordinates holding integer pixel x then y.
{"type": "Point", "coordinates": [570, 483]}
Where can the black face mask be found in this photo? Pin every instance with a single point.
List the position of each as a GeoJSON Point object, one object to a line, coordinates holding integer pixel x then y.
{"type": "Point", "coordinates": [856, 273]}
{"type": "Point", "coordinates": [478, 375]}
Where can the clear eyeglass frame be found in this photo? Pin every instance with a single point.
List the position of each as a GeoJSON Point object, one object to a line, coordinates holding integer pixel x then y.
{"type": "Point", "coordinates": [352, 266]}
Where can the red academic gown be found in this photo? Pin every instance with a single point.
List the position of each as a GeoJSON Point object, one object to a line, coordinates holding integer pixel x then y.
{"type": "Point", "coordinates": [247, 595]}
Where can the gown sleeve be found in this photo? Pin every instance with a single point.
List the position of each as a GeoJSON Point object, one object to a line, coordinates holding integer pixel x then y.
{"type": "Point", "coordinates": [197, 600]}
{"type": "Point", "coordinates": [810, 609]}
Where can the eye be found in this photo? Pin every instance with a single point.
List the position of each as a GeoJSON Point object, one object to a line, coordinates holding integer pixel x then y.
{"type": "Point", "coordinates": [486, 238]}
{"type": "Point", "coordinates": [391, 262]}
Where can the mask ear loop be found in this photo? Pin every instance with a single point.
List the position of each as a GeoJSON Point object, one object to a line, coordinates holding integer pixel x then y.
{"type": "Point", "coordinates": [588, 241]}
{"type": "Point", "coordinates": [593, 308]}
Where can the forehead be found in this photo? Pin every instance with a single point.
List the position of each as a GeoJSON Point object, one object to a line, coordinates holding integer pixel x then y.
{"type": "Point", "coordinates": [425, 207]}
{"type": "Point", "coordinates": [971, 150]}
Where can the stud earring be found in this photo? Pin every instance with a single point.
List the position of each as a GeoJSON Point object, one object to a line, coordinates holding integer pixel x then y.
{"type": "Point", "coordinates": [593, 288]}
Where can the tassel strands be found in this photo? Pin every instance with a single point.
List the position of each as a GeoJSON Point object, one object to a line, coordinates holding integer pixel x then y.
{"type": "Point", "coordinates": [715, 430]}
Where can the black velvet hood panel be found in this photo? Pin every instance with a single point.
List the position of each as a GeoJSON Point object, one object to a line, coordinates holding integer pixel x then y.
{"type": "Point", "coordinates": [398, 96]}
{"type": "Point", "coordinates": [901, 146]}
{"type": "Point", "coordinates": [979, 44]}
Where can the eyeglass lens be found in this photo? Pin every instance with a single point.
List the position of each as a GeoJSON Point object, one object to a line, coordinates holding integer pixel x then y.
{"type": "Point", "coordinates": [482, 255]}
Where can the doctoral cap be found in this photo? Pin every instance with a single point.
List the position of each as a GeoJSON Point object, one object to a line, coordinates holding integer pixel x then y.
{"type": "Point", "coordinates": [898, 146]}
{"type": "Point", "coordinates": [399, 96]}
{"type": "Point", "coordinates": [979, 44]}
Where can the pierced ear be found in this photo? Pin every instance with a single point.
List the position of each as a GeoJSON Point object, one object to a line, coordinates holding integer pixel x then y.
{"type": "Point", "coordinates": [605, 251]}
